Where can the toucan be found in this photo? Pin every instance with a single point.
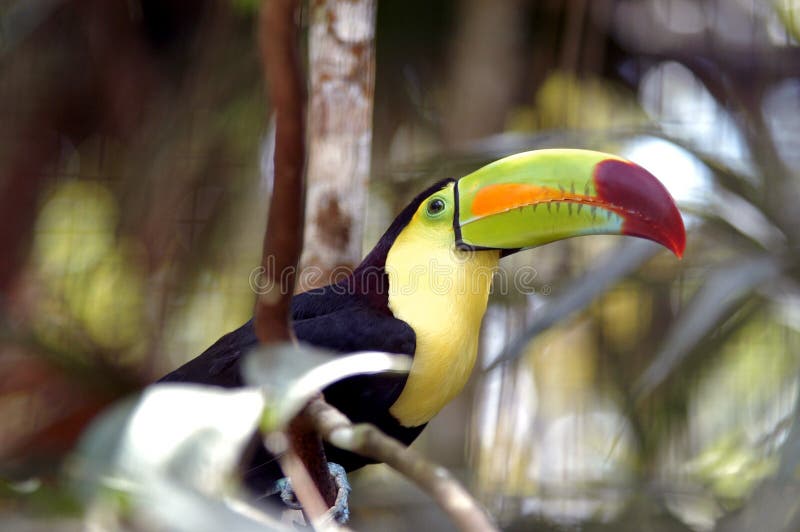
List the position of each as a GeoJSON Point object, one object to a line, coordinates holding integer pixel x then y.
{"type": "Point", "coordinates": [423, 289]}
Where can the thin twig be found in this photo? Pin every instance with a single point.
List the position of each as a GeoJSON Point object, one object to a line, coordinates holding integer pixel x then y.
{"type": "Point", "coordinates": [367, 440]}
{"type": "Point", "coordinates": [306, 491]}
{"type": "Point", "coordinates": [306, 443]}
{"type": "Point", "coordinates": [283, 239]}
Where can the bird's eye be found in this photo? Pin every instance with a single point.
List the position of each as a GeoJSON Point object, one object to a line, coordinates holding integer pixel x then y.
{"type": "Point", "coordinates": [436, 206]}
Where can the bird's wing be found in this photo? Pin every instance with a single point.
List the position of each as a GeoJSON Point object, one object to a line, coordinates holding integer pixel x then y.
{"type": "Point", "coordinates": [364, 398]}
{"type": "Point", "coordinates": [353, 328]}
{"type": "Point", "coordinates": [357, 329]}
{"type": "Point", "coordinates": [219, 364]}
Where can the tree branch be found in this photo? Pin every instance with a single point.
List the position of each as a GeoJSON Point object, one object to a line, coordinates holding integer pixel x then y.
{"type": "Point", "coordinates": [367, 440]}
{"type": "Point", "coordinates": [283, 238]}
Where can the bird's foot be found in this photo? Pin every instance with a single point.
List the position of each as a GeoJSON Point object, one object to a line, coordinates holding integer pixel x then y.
{"type": "Point", "coordinates": [340, 511]}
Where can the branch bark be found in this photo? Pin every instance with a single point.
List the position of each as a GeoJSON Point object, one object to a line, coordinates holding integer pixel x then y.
{"type": "Point", "coordinates": [367, 440]}
{"type": "Point", "coordinates": [283, 238]}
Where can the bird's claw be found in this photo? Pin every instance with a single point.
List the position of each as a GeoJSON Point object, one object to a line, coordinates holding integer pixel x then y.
{"type": "Point", "coordinates": [340, 511]}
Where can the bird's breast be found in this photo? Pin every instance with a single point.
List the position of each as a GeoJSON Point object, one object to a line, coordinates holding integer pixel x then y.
{"type": "Point", "coordinates": [443, 298]}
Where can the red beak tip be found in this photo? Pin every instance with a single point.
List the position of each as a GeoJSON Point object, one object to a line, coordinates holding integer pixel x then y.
{"type": "Point", "coordinates": [628, 184]}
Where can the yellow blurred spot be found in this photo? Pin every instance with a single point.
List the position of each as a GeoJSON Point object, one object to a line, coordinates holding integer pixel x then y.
{"type": "Point", "coordinates": [220, 301]}
{"type": "Point", "coordinates": [789, 14]}
{"type": "Point", "coordinates": [624, 316]}
{"type": "Point", "coordinates": [112, 300]}
{"type": "Point", "coordinates": [741, 406]}
{"type": "Point", "coordinates": [565, 355]}
{"type": "Point", "coordinates": [732, 468]}
{"type": "Point", "coordinates": [567, 101]}
{"type": "Point", "coordinates": [75, 228]}
{"type": "Point", "coordinates": [93, 289]}
{"type": "Point", "coordinates": [564, 365]}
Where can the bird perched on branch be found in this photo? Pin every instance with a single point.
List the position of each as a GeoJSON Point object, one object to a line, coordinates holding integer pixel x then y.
{"type": "Point", "coordinates": [423, 289]}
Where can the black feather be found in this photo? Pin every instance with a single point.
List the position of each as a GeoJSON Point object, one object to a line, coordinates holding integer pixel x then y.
{"type": "Point", "coordinates": [351, 315]}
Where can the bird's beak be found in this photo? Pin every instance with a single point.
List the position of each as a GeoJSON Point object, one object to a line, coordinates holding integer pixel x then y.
{"type": "Point", "coordinates": [533, 198]}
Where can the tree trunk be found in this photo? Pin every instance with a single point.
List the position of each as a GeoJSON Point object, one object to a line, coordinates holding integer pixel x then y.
{"type": "Point", "coordinates": [342, 86]}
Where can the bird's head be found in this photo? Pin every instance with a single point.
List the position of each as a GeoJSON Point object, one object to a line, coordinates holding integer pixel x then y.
{"type": "Point", "coordinates": [440, 253]}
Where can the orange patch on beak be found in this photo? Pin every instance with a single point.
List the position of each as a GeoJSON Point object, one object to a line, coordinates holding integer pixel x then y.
{"type": "Point", "coordinates": [495, 199]}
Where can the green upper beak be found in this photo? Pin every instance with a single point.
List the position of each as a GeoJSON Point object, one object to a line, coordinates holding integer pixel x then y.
{"type": "Point", "coordinates": [536, 197]}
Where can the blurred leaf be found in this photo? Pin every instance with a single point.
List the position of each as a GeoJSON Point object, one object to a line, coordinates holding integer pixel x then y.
{"type": "Point", "coordinates": [742, 216]}
{"type": "Point", "coordinates": [246, 6]}
{"type": "Point", "coordinates": [789, 14]}
{"type": "Point", "coordinates": [41, 499]}
{"type": "Point", "coordinates": [177, 447]}
{"type": "Point", "coordinates": [291, 375]}
{"type": "Point", "coordinates": [168, 458]}
{"type": "Point", "coordinates": [619, 263]}
{"type": "Point", "coordinates": [712, 304]}
{"type": "Point", "coordinates": [587, 103]}
{"type": "Point", "coordinates": [75, 228]}
{"type": "Point", "coordinates": [731, 467]}
{"type": "Point", "coordinates": [775, 506]}
{"type": "Point", "coordinates": [111, 301]}
{"type": "Point", "coordinates": [192, 433]}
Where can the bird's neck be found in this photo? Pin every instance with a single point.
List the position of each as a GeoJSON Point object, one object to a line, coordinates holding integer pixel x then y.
{"type": "Point", "coordinates": [442, 295]}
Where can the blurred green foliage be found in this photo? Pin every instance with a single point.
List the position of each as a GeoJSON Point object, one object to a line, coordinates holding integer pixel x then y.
{"type": "Point", "coordinates": [624, 414]}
